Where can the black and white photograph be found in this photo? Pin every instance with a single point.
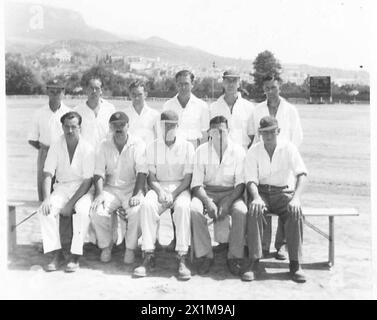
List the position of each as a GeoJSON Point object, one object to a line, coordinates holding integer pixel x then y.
{"type": "Point", "coordinates": [188, 150]}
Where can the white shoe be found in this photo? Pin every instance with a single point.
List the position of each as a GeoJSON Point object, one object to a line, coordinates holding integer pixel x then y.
{"type": "Point", "coordinates": [106, 254]}
{"type": "Point", "coordinates": [129, 256]}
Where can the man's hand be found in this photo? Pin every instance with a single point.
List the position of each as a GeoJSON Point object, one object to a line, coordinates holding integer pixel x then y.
{"type": "Point", "coordinates": [134, 201]}
{"type": "Point", "coordinates": [97, 202]}
{"type": "Point", "coordinates": [257, 207]}
{"type": "Point", "coordinates": [294, 207]}
{"type": "Point", "coordinates": [224, 208]}
{"type": "Point", "coordinates": [122, 213]}
{"type": "Point", "coordinates": [211, 209]}
{"type": "Point", "coordinates": [46, 206]}
{"type": "Point", "coordinates": [67, 210]}
{"type": "Point", "coordinates": [165, 198]}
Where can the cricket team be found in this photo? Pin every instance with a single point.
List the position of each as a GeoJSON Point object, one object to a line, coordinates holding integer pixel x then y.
{"type": "Point", "coordinates": [220, 171]}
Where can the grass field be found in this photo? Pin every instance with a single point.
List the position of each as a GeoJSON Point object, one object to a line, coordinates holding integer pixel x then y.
{"type": "Point", "coordinates": [336, 150]}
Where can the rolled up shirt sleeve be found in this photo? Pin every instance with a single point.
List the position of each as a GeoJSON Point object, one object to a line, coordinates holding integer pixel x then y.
{"type": "Point", "coordinates": [89, 163]}
{"type": "Point", "coordinates": [34, 133]}
{"type": "Point", "coordinates": [51, 162]}
{"type": "Point", "coordinates": [100, 161]}
{"type": "Point", "coordinates": [251, 167]}
{"type": "Point", "coordinates": [297, 164]}
{"type": "Point", "coordinates": [141, 165]}
{"type": "Point", "coordinates": [240, 169]}
{"type": "Point", "coordinates": [198, 172]}
{"type": "Point", "coordinates": [151, 154]}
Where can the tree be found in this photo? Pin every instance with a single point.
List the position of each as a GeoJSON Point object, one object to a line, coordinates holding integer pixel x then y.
{"type": "Point", "coordinates": [21, 80]}
{"type": "Point", "coordinates": [264, 64]}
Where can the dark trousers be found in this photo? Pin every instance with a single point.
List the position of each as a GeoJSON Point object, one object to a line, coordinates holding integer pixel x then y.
{"type": "Point", "coordinates": [276, 200]}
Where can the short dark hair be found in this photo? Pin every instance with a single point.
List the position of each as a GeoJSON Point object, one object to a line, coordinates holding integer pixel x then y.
{"type": "Point", "coordinates": [169, 115]}
{"type": "Point", "coordinates": [71, 115]}
{"type": "Point", "coordinates": [218, 120]}
{"type": "Point", "coordinates": [271, 77]}
{"type": "Point", "coordinates": [136, 84]}
{"type": "Point", "coordinates": [184, 73]}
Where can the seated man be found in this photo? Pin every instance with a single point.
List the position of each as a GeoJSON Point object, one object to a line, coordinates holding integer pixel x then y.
{"type": "Point", "coordinates": [268, 166]}
{"type": "Point", "coordinates": [170, 162]}
{"type": "Point", "coordinates": [71, 158]}
{"type": "Point", "coordinates": [217, 186]}
{"type": "Point", "coordinates": [119, 180]}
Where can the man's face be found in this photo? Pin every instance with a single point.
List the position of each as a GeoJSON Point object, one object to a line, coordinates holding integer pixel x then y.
{"type": "Point", "coordinates": [271, 89]}
{"type": "Point", "coordinates": [218, 133]}
{"type": "Point", "coordinates": [231, 85]}
{"type": "Point", "coordinates": [184, 85]}
{"type": "Point", "coordinates": [169, 129]}
{"type": "Point", "coordinates": [137, 96]}
{"type": "Point", "coordinates": [94, 90]}
{"type": "Point", "coordinates": [71, 129]}
{"type": "Point", "coordinates": [119, 129]}
{"type": "Point", "coordinates": [55, 94]}
{"type": "Point", "coordinates": [269, 137]}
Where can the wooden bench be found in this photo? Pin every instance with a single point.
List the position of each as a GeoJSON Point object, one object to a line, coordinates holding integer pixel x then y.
{"type": "Point", "coordinates": [331, 213]}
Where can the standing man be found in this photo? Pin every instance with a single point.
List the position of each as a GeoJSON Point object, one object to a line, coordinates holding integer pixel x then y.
{"type": "Point", "coordinates": [268, 166]}
{"type": "Point", "coordinates": [143, 120]}
{"type": "Point", "coordinates": [95, 113]}
{"type": "Point", "coordinates": [170, 163]}
{"type": "Point", "coordinates": [218, 185]}
{"type": "Point", "coordinates": [71, 158]}
{"type": "Point", "coordinates": [234, 108]}
{"type": "Point", "coordinates": [46, 127]}
{"type": "Point", "coordinates": [290, 129]}
{"type": "Point", "coordinates": [119, 179]}
{"type": "Point", "coordinates": [192, 112]}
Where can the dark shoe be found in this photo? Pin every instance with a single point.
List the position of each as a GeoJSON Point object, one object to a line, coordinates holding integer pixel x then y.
{"type": "Point", "coordinates": [147, 266]}
{"type": "Point", "coordinates": [281, 254]}
{"type": "Point", "coordinates": [184, 272]}
{"type": "Point", "coordinates": [56, 262]}
{"type": "Point", "coordinates": [296, 272]}
{"type": "Point", "coordinates": [205, 265]}
{"type": "Point", "coordinates": [247, 273]}
{"type": "Point", "coordinates": [73, 264]}
{"type": "Point", "coordinates": [234, 266]}
{"type": "Point", "coordinates": [171, 246]}
{"type": "Point", "coordinates": [221, 247]}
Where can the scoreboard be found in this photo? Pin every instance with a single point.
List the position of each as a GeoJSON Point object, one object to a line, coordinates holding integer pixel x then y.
{"type": "Point", "coordinates": [320, 87]}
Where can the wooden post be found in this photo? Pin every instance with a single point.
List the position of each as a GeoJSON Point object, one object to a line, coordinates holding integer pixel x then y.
{"type": "Point", "coordinates": [331, 242]}
{"type": "Point", "coordinates": [12, 234]}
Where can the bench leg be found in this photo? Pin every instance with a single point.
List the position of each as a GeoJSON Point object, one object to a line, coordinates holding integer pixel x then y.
{"type": "Point", "coordinates": [12, 234]}
{"type": "Point", "coordinates": [331, 242]}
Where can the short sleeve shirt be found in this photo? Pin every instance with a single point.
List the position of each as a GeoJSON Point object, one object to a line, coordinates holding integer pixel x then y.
{"type": "Point", "coordinates": [286, 160]}
{"type": "Point", "coordinates": [95, 128]}
{"type": "Point", "coordinates": [193, 119]}
{"type": "Point", "coordinates": [143, 125]}
{"type": "Point", "coordinates": [172, 163]}
{"type": "Point", "coordinates": [120, 169]}
{"type": "Point", "coordinates": [237, 118]}
{"type": "Point", "coordinates": [46, 126]}
{"type": "Point", "coordinates": [288, 120]}
{"type": "Point", "coordinates": [81, 167]}
{"type": "Point", "coordinates": [208, 171]}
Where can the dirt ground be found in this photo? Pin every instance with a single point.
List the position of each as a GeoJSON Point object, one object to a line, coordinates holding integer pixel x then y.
{"type": "Point", "coordinates": [336, 152]}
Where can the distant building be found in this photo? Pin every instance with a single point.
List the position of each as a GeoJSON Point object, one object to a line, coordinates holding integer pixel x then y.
{"type": "Point", "coordinates": [63, 55]}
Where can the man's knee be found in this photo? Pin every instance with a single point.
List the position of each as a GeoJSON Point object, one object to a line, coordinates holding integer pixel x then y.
{"type": "Point", "coordinates": [239, 210]}
{"type": "Point", "coordinates": [196, 208]}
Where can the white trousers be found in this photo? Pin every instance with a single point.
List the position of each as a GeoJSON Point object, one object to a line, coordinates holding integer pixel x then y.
{"type": "Point", "coordinates": [80, 220]}
{"type": "Point", "coordinates": [110, 228]}
{"type": "Point", "coordinates": [150, 216]}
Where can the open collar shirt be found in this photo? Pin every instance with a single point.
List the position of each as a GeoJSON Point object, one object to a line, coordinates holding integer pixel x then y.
{"type": "Point", "coordinates": [237, 117]}
{"type": "Point", "coordinates": [46, 126]}
{"type": "Point", "coordinates": [170, 164]}
{"type": "Point", "coordinates": [81, 167]}
{"type": "Point", "coordinates": [208, 171]}
{"type": "Point", "coordinates": [95, 128]}
{"type": "Point", "coordinates": [193, 119]}
{"type": "Point", "coordinates": [120, 169]}
{"type": "Point", "coordinates": [286, 159]}
{"type": "Point", "coordinates": [287, 117]}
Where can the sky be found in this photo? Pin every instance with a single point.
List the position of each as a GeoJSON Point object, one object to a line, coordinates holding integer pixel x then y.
{"type": "Point", "coordinates": [331, 33]}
